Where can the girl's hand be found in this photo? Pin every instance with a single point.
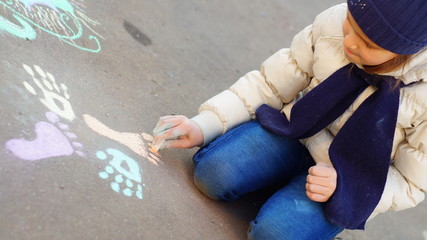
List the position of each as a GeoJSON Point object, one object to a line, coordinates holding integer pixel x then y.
{"type": "Point", "coordinates": [177, 132]}
{"type": "Point", "coordinates": [321, 182]}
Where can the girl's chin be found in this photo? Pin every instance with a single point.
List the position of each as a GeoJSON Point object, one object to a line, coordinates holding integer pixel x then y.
{"type": "Point", "coordinates": [352, 58]}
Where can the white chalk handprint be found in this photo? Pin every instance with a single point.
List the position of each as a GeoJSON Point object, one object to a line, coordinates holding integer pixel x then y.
{"type": "Point", "coordinates": [50, 93]}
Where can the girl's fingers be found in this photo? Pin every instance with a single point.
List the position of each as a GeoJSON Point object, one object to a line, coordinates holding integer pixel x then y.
{"type": "Point", "coordinates": [166, 123]}
{"type": "Point", "coordinates": [172, 133]}
{"type": "Point", "coordinates": [177, 143]}
{"type": "Point", "coordinates": [317, 197]}
{"type": "Point", "coordinates": [167, 140]}
{"type": "Point", "coordinates": [162, 119]}
{"type": "Point", "coordinates": [322, 170]}
{"type": "Point", "coordinates": [314, 188]}
{"type": "Point", "coordinates": [322, 181]}
{"type": "Point", "coordinates": [177, 132]}
{"type": "Point", "coordinates": [318, 193]}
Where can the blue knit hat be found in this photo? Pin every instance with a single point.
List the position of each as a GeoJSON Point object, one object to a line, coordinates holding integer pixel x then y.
{"type": "Point", "coordinates": [399, 26]}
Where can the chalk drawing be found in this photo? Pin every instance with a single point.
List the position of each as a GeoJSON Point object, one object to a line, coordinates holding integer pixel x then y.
{"type": "Point", "coordinates": [136, 142]}
{"type": "Point", "coordinates": [63, 19]}
{"type": "Point", "coordinates": [53, 139]}
{"type": "Point", "coordinates": [53, 4]}
{"type": "Point", "coordinates": [124, 170]}
{"type": "Point", "coordinates": [51, 93]}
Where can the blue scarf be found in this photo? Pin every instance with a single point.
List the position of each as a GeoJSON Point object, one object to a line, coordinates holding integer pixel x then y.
{"type": "Point", "coordinates": [361, 150]}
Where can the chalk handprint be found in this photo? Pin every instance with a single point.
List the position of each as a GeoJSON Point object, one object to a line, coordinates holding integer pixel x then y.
{"type": "Point", "coordinates": [53, 96]}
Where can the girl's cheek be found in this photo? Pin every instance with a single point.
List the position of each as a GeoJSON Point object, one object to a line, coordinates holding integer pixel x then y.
{"type": "Point", "coordinates": [373, 60]}
{"type": "Point", "coordinates": [345, 28]}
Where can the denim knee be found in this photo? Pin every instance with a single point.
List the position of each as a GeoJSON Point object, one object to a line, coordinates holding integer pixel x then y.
{"type": "Point", "coordinates": [245, 159]}
{"type": "Point", "coordinates": [212, 179]}
{"type": "Point", "coordinates": [263, 230]}
{"type": "Point", "coordinates": [289, 215]}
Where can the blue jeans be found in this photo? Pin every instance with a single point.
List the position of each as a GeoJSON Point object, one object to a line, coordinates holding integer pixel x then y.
{"type": "Point", "coordinates": [248, 158]}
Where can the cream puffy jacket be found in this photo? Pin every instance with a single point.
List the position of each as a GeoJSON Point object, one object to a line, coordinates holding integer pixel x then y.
{"type": "Point", "coordinates": [315, 53]}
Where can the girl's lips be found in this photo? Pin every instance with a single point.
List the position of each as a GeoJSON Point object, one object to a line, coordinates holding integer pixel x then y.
{"type": "Point", "coordinates": [348, 51]}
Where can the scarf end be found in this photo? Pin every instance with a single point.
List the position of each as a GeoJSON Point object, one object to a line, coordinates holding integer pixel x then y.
{"type": "Point", "coordinates": [347, 225]}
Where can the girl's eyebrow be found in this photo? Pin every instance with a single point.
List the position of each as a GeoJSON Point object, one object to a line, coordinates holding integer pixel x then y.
{"type": "Point", "coordinates": [359, 32]}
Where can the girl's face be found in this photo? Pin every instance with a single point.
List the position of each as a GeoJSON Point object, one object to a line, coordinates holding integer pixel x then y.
{"type": "Point", "coordinates": [359, 49]}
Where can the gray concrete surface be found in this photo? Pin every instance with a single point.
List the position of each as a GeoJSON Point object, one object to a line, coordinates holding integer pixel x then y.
{"type": "Point", "coordinates": [80, 81]}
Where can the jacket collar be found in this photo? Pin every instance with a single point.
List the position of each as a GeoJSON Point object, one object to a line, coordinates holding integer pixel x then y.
{"type": "Point", "coordinates": [414, 71]}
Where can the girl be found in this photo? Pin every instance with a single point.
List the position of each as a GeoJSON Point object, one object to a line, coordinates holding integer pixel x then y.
{"type": "Point", "coordinates": [350, 139]}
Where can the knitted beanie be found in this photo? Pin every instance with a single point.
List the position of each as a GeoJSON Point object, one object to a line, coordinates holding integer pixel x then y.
{"type": "Point", "coordinates": [399, 26]}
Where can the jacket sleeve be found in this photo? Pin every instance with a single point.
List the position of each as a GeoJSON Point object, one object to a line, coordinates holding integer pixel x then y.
{"type": "Point", "coordinates": [278, 81]}
{"type": "Point", "coordinates": [407, 178]}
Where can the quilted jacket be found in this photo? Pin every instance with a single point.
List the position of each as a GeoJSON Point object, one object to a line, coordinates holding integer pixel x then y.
{"type": "Point", "coordinates": [315, 53]}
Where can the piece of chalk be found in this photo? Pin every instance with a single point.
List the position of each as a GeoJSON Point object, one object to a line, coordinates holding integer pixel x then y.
{"type": "Point", "coordinates": [157, 145]}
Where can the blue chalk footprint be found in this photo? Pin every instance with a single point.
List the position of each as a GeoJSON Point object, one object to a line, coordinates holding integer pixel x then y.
{"type": "Point", "coordinates": [124, 171]}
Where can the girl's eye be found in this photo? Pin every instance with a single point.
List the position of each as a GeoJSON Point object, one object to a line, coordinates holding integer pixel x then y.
{"type": "Point", "coordinates": [370, 46]}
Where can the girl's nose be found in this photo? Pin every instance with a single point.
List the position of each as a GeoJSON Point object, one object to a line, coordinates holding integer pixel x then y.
{"type": "Point", "coordinates": [351, 42]}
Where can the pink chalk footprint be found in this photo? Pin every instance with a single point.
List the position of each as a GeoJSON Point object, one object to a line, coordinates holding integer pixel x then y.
{"type": "Point", "coordinates": [50, 141]}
